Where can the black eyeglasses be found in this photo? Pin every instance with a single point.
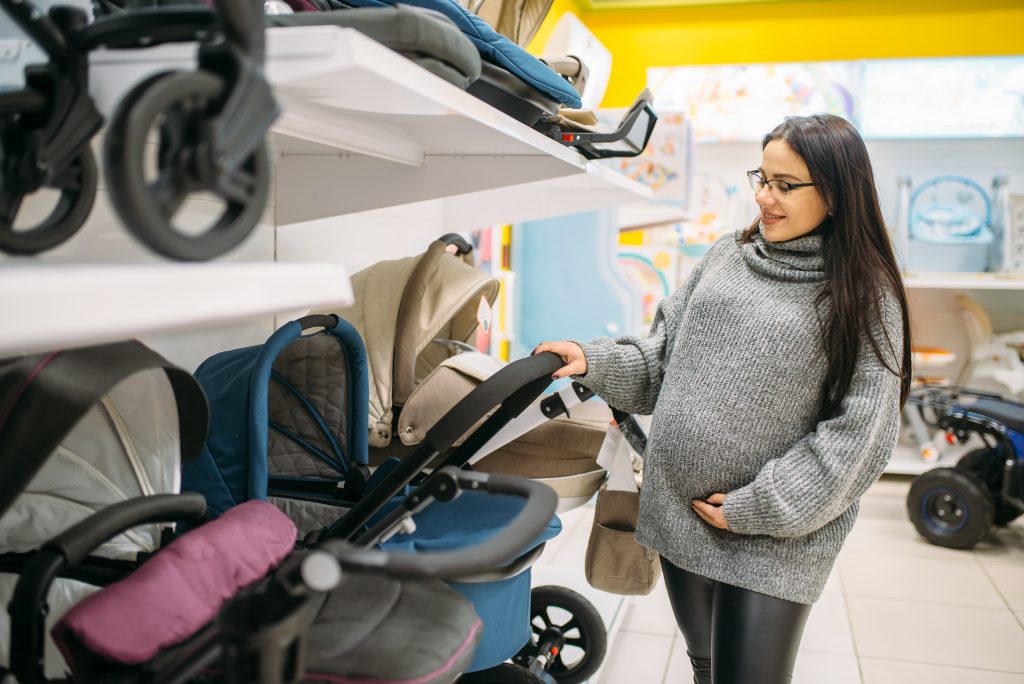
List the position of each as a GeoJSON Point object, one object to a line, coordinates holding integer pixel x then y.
{"type": "Point", "coordinates": [781, 188]}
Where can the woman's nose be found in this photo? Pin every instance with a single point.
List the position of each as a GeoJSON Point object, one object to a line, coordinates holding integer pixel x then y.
{"type": "Point", "coordinates": [764, 196]}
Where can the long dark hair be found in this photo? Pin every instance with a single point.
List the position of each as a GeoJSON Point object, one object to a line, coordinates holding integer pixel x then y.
{"type": "Point", "coordinates": [860, 265]}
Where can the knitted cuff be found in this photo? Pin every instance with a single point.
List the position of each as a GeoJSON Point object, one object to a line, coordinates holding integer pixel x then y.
{"type": "Point", "coordinates": [742, 512]}
{"type": "Point", "coordinates": [597, 359]}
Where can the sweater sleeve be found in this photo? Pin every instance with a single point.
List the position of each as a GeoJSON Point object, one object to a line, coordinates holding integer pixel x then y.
{"type": "Point", "coordinates": [627, 372]}
{"type": "Point", "coordinates": [817, 479]}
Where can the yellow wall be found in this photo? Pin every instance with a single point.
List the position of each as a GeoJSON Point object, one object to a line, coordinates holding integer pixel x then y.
{"type": "Point", "coordinates": [794, 31]}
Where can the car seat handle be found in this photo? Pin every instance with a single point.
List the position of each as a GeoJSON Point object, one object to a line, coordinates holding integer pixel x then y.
{"type": "Point", "coordinates": [326, 321]}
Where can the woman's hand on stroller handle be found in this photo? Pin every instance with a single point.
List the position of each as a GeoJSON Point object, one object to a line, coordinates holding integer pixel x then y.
{"type": "Point", "coordinates": [572, 356]}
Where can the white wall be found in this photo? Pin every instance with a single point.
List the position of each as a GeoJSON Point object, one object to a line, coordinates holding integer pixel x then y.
{"type": "Point", "coordinates": [935, 317]}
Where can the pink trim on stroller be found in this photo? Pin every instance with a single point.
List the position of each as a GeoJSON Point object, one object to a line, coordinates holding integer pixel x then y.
{"type": "Point", "coordinates": [469, 642]}
{"type": "Point", "coordinates": [178, 591]}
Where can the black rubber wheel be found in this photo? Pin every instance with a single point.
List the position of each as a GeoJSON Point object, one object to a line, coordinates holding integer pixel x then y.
{"type": "Point", "coordinates": [77, 187]}
{"type": "Point", "coordinates": [505, 673]}
{"type": "Point", "coordinates": [950, 507]}
{"type": "Point", "coordinates": [178, 106]}
{"type": "Point", "coordinates": [987, 464]}
{"type": "Point", "coordinates": [586, 639]}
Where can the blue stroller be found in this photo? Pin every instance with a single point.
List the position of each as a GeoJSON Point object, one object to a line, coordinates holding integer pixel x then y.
{"type": "Point", "coordinates": [955, 507]}
{"type": "Point", "coordinates": [288, 424]}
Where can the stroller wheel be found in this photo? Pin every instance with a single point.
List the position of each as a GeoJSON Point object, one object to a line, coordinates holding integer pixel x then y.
{"type": "Point", "coordinates": [950, 508]}
{"type": "Point", "coordinates": [149, 183]}
{"type": "Point", "coordinates": [561, 615]}
{"type": "Point", "coordinates": [505, 673]}
{"type": "Point", "coordinates": [77, 187]}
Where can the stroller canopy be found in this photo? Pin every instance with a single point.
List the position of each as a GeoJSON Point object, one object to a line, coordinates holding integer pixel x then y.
{"type": "Point", "coordinates": [113, 444]}
{"type": "Point", "coordinates": [401, 307]}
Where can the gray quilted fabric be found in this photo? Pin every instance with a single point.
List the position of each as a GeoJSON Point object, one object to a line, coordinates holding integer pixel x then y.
{"type": "Point", "coordinates": [375, 628]}
{"type": "Point", "coordinates": [316, 366]}
{"type": "Point", "coordinates": [308, 516]}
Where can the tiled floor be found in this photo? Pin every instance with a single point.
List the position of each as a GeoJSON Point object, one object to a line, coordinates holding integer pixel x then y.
{"type": "Point", "coordinates": [896, 610]}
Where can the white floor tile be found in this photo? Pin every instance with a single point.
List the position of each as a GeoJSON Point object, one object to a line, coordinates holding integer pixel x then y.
{"type": "Point", "coordinates": [956, 580]}
{"type": "Point", "coordinates": [877, 671]}
{"type": "Point", "coordinates": [939, 634]}
{"type": "Point", "coordinates": [834, 585]}
{"type": "Point", "coordinates": [1009, 579]}
{"type": "Point", "coordinates": [651, 614]}
{"type": "Point", "coordinates": [679, 670]}
{"type": "Point", "coordinates": [1002, 544]}
{"type": "Point", "coordinates": [637, 659]}
{"type": "Point", "coordinates": [883, 537]}
{"type": "Point", "coordinates": [828, 627]}
{"type": "Point", "coordinates": [817, 668]}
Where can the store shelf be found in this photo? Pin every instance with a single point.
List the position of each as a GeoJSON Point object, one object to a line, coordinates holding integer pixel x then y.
{"type": "Point", "coordinates": [964, 281]}
{"type": "Point", "coordinates": [53, 306]}
{"type": "Point", "coordinates": [365, 128]}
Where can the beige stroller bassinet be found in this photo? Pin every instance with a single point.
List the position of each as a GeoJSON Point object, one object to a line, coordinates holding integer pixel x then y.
{"type": "Point", "coordinates": [417, 316]}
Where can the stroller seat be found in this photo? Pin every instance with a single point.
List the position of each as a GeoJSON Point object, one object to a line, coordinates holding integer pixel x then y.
{"type": "Point", "coordinates": [370, 628]}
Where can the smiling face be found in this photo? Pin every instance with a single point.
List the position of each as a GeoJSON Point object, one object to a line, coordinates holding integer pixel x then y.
{"type": "Point", "coordinates": [802, 210]}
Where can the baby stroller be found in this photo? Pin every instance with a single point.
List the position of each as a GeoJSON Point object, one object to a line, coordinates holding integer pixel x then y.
{"type": "Point", "coordinates": [118, 420]}
{"type": "Point", "coordinates": [273, 629]}
{"type": "Point", "coordinates": [210, 125]}
{"type": "Point", "coordinates": [955, 507]}
{"type": "Point", "coordinates": [417, 316]}
{"type": "Point", "coordinates": [286, 426]}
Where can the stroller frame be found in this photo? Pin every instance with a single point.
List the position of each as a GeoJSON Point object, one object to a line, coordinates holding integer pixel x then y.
{"type": "Point", "coordinates": [46, 128]}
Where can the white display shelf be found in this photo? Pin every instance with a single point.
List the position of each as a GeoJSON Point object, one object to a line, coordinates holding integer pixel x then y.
{"type": "Point", "coordinates": [638, 216]}
{"type": "Point", "coordinates": [54, 306]}
{"type": "Point", "coordinates": [963, 281]}
{"type": "Point", "coordinates": [364, 128]}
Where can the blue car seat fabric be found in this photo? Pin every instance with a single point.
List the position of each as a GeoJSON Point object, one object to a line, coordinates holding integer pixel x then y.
{"type": "Point", "coordinates": [503, 605]}
{"type": "Point", "coordinates": [495, 48]}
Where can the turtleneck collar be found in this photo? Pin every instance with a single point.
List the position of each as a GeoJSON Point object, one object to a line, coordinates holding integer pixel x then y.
{"type": "Point", "coordinates": [797, 260]}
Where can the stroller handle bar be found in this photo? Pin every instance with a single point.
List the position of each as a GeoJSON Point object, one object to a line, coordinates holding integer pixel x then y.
{"type": "Point", "coordinates": [495, 552]}
{"type": "Point", "coordinates": [514, 387]}
{"type": "Point", "coordinates": [28, 607]}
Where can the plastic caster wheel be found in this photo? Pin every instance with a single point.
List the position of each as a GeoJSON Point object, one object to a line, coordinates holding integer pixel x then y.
{"type": "Point", "coordinates": [177, 106]}
{"type": "Point", "coordinates": [77, 187]}
{"type": "Point", "coordinates": [562, 612]}
{"type": "Point", "coordinates": [950, 508]}
{"type": "Point", "coordinates": [987, 465]}
{"type": "Point", "coordinates": [506, 673]}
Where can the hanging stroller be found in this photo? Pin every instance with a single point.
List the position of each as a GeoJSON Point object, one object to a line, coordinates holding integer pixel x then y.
{"type": "Point", "coordinates": [352, 632]}
{"type": "Point", "coordinates": [209, 124]}
{"type": "Point", "coordinates": [118, 421]}
{"type": "Point", "coordinates": [401, 308]}
{"type": "Point", "coordinates": [287, 425]}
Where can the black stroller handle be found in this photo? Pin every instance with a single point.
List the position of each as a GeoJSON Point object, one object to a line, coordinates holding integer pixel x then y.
{"type": "Point", "coordinates": [327, 321]}
{"type": "Point", "coordinates": [512, 388]}
{"type": "Point", "coordinates": [495, 552]}
{"type": "Point", "coordinates": [462, 247]}
{"type": "Point", "coordinates": [40, 27]}
{"type": "Point", "coordinates": [29, 607]}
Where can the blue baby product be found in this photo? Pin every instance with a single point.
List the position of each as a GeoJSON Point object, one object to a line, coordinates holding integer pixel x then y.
{"type": "Point", "coordinates": [949, 224]}
{"type": "Point", "coordinates": [495, 48]}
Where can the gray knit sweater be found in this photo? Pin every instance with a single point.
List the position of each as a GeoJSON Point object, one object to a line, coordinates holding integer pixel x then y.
{"type": "Point", "coordinates": [732, 373]}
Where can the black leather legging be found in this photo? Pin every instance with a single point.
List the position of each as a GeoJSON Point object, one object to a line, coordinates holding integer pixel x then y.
{"type": "Point", "coordinates": [733, 635]}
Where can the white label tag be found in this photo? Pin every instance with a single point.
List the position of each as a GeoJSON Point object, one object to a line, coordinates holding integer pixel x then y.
{"type": "Point", "coordinates": [483, 314]}
{"type": "Point", "coordinates": [609, 448]}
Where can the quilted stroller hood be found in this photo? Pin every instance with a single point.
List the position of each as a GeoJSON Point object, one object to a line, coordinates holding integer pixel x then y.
{"type": "Point", "coordinates": [401, 307]}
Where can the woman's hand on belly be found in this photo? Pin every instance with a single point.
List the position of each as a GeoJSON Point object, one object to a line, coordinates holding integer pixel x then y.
{"type": "Point", "coordinates": [712, 510]}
